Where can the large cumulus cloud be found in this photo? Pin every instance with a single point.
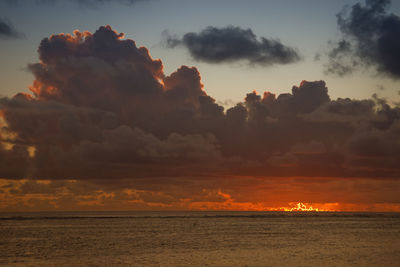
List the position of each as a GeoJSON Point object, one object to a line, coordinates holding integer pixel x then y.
{"type": "Point", "coordinates": [232, 44]}
{"type": "Point", "coordinates": [102, 111]}
{"type": "Point", "coordinates": [370, 39]}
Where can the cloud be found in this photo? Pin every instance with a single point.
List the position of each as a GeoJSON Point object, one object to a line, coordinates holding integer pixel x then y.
{"type": "Point", "coordinates": [309, 148]}
{"type": "Point", "coordinates": [233, 44]}
{"type": "Point", "coordinates": [286, 160]}
{"type": "Point", "coordinates": [7, 30]}
{"type": "Point", "coordinates": [255, 194]}
{"type": "Point", "coordinates": [101, 112]}
{"type": "Point", "coordinates": [370, 39]}
{"type": "Point", "coordinates": [14, 162]}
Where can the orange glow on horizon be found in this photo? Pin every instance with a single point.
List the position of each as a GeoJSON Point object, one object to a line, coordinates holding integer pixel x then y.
{"type": "Point", "coordinates": [49, 195]}
{"type": "Point", "coordinates": [305, 207]}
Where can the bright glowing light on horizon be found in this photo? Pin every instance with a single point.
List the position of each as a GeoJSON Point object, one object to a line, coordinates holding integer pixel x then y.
{"type": "Point", "coordinates": [300, 206]}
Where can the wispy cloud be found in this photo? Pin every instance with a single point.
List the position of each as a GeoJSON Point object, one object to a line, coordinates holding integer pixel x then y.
{"type": "Point", "coordinates": [7, 30]}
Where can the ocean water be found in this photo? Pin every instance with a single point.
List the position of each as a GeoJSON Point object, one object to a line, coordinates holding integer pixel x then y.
{"type": "Point", "coordinates": [200, 239]}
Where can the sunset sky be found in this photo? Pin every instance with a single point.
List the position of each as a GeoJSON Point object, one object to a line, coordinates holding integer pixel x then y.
{"type": "Point", "coordinates": [199, 105]}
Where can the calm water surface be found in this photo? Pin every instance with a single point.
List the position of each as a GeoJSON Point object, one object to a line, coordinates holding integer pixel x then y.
{"type": "Point", "coordinates": [200, 239]}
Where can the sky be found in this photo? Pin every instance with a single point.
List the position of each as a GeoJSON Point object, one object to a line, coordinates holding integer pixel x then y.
{"type": "Point", "coordinates": [199, 105]}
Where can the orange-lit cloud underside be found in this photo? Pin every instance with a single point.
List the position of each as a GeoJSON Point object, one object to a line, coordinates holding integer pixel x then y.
{"type": "Point", "coordinates": [273, 194]}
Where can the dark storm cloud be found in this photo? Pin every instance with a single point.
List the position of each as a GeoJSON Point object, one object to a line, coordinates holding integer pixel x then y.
{"type": "Point", "coordinates": [7, 30]}
{"type": "Point", "coordinates": [371, 37]}
{"type": "Point", "coordinates": [231, 44]}
{"type": "Point", "coordinates": [14, 163]}
{"type": "Point", "coordinates": [102, 109]}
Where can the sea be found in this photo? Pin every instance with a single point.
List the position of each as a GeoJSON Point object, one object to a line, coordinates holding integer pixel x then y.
{"type": "Point", "coordinates": [200, 239]}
